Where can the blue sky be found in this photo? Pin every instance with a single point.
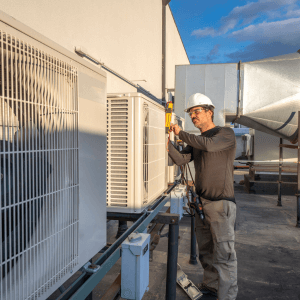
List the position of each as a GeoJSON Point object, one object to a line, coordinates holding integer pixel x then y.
{"type": "Point", "coordinates": [215, 31]}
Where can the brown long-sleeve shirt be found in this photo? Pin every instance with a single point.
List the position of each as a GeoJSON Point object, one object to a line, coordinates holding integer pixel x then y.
{"type": "Point", "coordinates": [213, 154]}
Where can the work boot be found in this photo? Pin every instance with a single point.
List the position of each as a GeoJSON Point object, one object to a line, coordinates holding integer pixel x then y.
{"type": "Point", "coordinates": [205, 290]}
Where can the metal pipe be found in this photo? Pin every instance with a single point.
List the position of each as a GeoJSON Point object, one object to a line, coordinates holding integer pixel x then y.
{"type": "Point", "coordinates": [193, 254]}
{"type": "Point", "coordinates": [121, 228]}
{"type": "Point", "coordinates": [123, 216]}
{"type": "Point", "coordinates": [172, 262]}
{"type": "Point", "coordinates": [83, 53]}
{"type": "Point", "coordinates": [298, 175]}
{"type": "Point", "coordinates": [284, 169]}
{"type": "Point", "coordinates": [238, 113]}
{"type": "Point", "coordinates": [137, 86]}
{"type": "Point", "coordinates": [262, 162]}
{"type": "Point", "coordinates": [279, 174]}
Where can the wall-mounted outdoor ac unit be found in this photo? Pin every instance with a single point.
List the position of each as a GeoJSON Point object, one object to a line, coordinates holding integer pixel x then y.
{"type": "Point", "coordinates": [52, 161]}
{"type": "Point", "coordinates": [136, 152]}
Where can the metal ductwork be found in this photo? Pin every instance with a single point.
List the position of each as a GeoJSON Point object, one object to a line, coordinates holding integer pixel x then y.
{"type": "Point", "coordinates": [263, 94]}
{"type": "Point", "coordinates": [270, 95]}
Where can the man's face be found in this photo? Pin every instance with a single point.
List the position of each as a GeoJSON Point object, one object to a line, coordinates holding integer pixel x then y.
{"type": "Point", "coordinates": [198, 117]}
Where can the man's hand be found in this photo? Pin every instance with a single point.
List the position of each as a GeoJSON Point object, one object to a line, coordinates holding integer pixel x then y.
{"type": "Point", "coordinates": [175, 128]}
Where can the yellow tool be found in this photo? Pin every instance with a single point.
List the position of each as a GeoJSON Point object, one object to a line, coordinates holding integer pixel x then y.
{"type": "Point", "coordinates": [169, 111]}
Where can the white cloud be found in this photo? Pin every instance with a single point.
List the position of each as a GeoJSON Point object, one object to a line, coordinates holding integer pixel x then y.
{"type": "Point", "coordinates": [204, 32]}
{"type": "Point", "coordinates": [213, 52]}
{"type": "Point", "coordinates": [285, 32]}
{"type": "Point", "coordinates": [258, 50]}
{"type": "Point", "coordinates": [293, 13]}
{"type": "Point", "coordinates": [246, 14]}
{"type": "Point", "coordinates": [268, 40]}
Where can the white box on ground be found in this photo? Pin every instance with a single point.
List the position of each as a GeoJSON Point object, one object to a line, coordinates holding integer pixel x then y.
{"type": "Point", "coordinates": [135, 266]}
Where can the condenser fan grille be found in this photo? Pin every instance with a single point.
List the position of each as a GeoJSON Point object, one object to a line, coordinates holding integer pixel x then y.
{"type": "Point", "coordinates": [117, 143]}
{"type": "Point", "coordinates": [39, 169]}
{"type": "Point", "coordinates": [153, 153]}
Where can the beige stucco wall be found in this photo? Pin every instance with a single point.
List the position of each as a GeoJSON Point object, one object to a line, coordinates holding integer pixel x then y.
{"type": "Point", "coordinates": [175, 51]}
{"type": "Point", "coordinates": [124, 35]}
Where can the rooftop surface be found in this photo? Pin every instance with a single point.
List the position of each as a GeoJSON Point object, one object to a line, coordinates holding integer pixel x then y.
{"type": "Point", "coordinates": [267, 246]}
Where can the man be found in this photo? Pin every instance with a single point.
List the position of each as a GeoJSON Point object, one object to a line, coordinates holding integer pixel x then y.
{"type": "Point", "coordinates": [213, 153]}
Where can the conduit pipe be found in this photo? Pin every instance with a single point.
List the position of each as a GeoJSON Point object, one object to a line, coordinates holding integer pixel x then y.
{"type": "Point", "coordinates": [83, 53]}
{"type": "Point", "coordinates": [265, 168]}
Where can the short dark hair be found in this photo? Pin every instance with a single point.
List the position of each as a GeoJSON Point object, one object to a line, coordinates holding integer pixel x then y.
{"type": "Point", "coordinates": [211, 108]}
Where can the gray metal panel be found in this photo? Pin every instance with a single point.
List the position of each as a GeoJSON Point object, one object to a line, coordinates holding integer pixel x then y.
{"type": "Point", "coordinates": [195, 83]}
{"type": "Point", "coordinates": [271, 95]}
{"type": "Point", "coordinates": [231, 89]}
{"type": "Point", "coordinates": [215, 90]}
{"type": "Point", "coordinates": [195, 80]}
{"type": "Point", "coordinates": [92, 163]}
{"type": "Point", "coordinates": [217, 81]}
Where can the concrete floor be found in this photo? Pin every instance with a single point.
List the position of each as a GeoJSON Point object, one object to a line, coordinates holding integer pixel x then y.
{"type": "Point", "coordinates": [267, 246]}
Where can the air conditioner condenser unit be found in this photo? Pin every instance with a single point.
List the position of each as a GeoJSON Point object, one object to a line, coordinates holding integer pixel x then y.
{"type": "Point", "coordinates": [136, 152]}
{"type": "Point", "coordinates": [52, 193]}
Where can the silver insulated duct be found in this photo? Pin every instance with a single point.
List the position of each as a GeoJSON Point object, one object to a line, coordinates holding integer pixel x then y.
{"type": "Point", "coordinates": [269, 97]}
{"type": "Point", "coordinates": [263, 94]}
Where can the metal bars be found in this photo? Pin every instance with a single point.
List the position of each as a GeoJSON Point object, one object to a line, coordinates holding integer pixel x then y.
{"type": "Point", "coordinates": [39, 169]}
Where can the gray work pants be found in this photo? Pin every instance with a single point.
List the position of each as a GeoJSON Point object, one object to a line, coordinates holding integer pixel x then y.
{"type": "Point", "coordinates": [216, 247]}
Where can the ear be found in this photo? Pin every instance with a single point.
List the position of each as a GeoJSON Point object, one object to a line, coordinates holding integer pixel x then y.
{"type": "Point", "coordinates": [209, 112]}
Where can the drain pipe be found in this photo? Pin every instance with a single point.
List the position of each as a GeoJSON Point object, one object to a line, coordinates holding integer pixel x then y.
{"type": "Point", "coordinates": [164, 37]}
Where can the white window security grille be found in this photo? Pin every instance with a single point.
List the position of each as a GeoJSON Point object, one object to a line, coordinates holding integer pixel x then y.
{"type": "Point", "coordinates": [136, 153]}
{"type": "Point", "coordinates": [39, 169]}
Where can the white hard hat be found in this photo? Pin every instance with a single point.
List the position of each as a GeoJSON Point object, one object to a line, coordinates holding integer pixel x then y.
{"type": "Point", "coordinates": [198, 100]}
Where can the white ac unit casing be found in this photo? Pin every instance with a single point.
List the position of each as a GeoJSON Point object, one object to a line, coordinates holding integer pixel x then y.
{"type": "Point", "coordinates": [173, 170]}
{"type": "Point", "coordinates": [52, 160]}
{"type": "Point", "coordinates": [136, 152]}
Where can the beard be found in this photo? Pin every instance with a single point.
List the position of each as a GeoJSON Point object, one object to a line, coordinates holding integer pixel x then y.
{"type": "Point", "coordinates": [197, 124]}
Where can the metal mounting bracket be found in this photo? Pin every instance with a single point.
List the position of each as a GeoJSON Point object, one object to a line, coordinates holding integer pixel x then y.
{"type": "Point", "coordinates": [91, 268]}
